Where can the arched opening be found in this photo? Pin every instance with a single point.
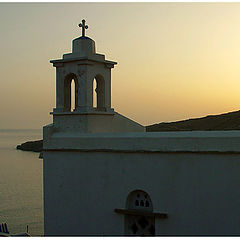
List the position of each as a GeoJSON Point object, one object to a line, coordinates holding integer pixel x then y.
{"type": "Point", "coordinates": [94, 93]}
{"type": "Point", "coordinates": [99, 93]}
{"type": "Point", "coordinates": [139, 224]}
{"type": "Point", "coordinates": [70, 92]}
{"type": "Point", "coordinates": [73, 97]}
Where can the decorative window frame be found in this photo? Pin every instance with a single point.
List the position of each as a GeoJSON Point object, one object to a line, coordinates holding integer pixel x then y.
{"type": "Point", "coordinates": [139, 215]}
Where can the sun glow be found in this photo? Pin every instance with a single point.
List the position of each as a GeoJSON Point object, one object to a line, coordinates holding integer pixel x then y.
{"type": "Point", "coordinates": [175, 60]}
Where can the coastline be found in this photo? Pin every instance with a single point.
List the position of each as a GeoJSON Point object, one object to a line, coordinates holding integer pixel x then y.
{"type": "Point", "coordinates": [32, 146]}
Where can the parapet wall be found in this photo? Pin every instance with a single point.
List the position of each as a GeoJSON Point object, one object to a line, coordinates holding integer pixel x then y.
{"type": "Point", "coordinates": [222, 142]}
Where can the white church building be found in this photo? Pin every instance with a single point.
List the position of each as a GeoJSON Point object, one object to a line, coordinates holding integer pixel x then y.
{"type": "Point", "coordinates": [105, 176]}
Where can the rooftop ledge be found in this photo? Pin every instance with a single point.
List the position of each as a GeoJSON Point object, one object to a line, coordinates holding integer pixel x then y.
{"type": "Point", "coordinates": [83, 113]}
{"type": "Point", "coordinates": [197, 141]}
{"type": "Point", "coordinates": [81, 60]}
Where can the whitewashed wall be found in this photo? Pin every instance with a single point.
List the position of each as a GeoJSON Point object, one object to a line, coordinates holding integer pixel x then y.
{"type": "Point", "coordinates": [199, 191]}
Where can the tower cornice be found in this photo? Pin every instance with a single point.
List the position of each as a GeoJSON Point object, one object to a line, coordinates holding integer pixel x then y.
{"type": "Point", "coordinates": [83, 60]}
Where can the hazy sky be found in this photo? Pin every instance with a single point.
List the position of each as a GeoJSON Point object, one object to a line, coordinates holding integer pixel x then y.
{"type": "Point", "coordinates": [175, 60]}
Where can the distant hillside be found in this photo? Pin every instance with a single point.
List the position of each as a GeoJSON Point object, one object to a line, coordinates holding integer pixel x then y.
{"type": "Point", "coordinates": [226, 121]}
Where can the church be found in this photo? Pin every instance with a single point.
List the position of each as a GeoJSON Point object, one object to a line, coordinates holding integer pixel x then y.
{"type": "Point", "coordinates": [104, 175]}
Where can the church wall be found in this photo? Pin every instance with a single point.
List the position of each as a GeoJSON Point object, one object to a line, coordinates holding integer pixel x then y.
{"type": "Point", "coordinates": [199, 191]}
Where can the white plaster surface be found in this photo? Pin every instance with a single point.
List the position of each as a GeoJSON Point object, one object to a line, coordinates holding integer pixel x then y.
{"type": "Point", "coordinates": [95, 122]}
{"type": "Point", "coordinates": [218, 141]}
{"type": "Point", "coordinates": [199, 192]}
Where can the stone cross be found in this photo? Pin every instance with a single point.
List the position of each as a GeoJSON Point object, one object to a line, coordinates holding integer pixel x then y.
{"type": "Point", "coordinates": [83, 26]}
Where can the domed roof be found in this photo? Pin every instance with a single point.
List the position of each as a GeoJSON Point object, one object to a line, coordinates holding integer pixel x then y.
{"type": "Point", "coordinates": [83, 46]}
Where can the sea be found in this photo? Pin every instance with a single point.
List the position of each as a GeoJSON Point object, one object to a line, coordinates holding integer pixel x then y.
{"type": "Point", "coordinates": [21, 183]}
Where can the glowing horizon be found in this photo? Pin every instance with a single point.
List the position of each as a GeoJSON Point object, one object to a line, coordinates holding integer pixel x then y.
{"type": "Point", "coordinates": [175, 60]}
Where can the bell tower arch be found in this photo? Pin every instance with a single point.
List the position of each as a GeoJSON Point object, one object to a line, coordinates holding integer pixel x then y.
{"type": "Point", "coordinates": [67, 95]}
{"type": "Point", "coordinates": [100, 92]}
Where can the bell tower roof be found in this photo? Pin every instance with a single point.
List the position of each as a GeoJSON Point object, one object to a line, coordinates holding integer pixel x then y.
{"type": "Point", "coordinates": [83, 48]}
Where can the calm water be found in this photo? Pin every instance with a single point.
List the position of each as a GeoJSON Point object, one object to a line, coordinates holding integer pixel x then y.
{"type": "Point", "coordinates": [21, 196]}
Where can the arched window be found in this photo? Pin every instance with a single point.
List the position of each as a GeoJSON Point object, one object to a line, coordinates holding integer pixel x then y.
{"type": "Point", "coordinates": [139, 224]}
{"type": "Point", "coordinates": [70, 92]}
{"type": "Point", "coordinates": [99, 92]}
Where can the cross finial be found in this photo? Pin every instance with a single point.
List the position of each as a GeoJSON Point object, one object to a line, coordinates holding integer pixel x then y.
{"type": "Point", "coordinates": [83, 26]}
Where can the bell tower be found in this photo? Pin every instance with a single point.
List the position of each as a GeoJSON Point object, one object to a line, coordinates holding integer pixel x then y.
{"type": "Point", "coordinates": [82, 66]}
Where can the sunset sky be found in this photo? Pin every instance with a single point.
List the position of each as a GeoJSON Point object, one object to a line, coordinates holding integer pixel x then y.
{"type": "Point", "coordinates": [175, 60]}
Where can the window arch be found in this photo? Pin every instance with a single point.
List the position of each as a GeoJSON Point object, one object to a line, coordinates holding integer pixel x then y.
{"type": "Point", "coordinates": [99, 92]}
{"type": "Point", "coordinates": [139, 224]}
{"type": "Point", "coordinates": [70, 92]}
